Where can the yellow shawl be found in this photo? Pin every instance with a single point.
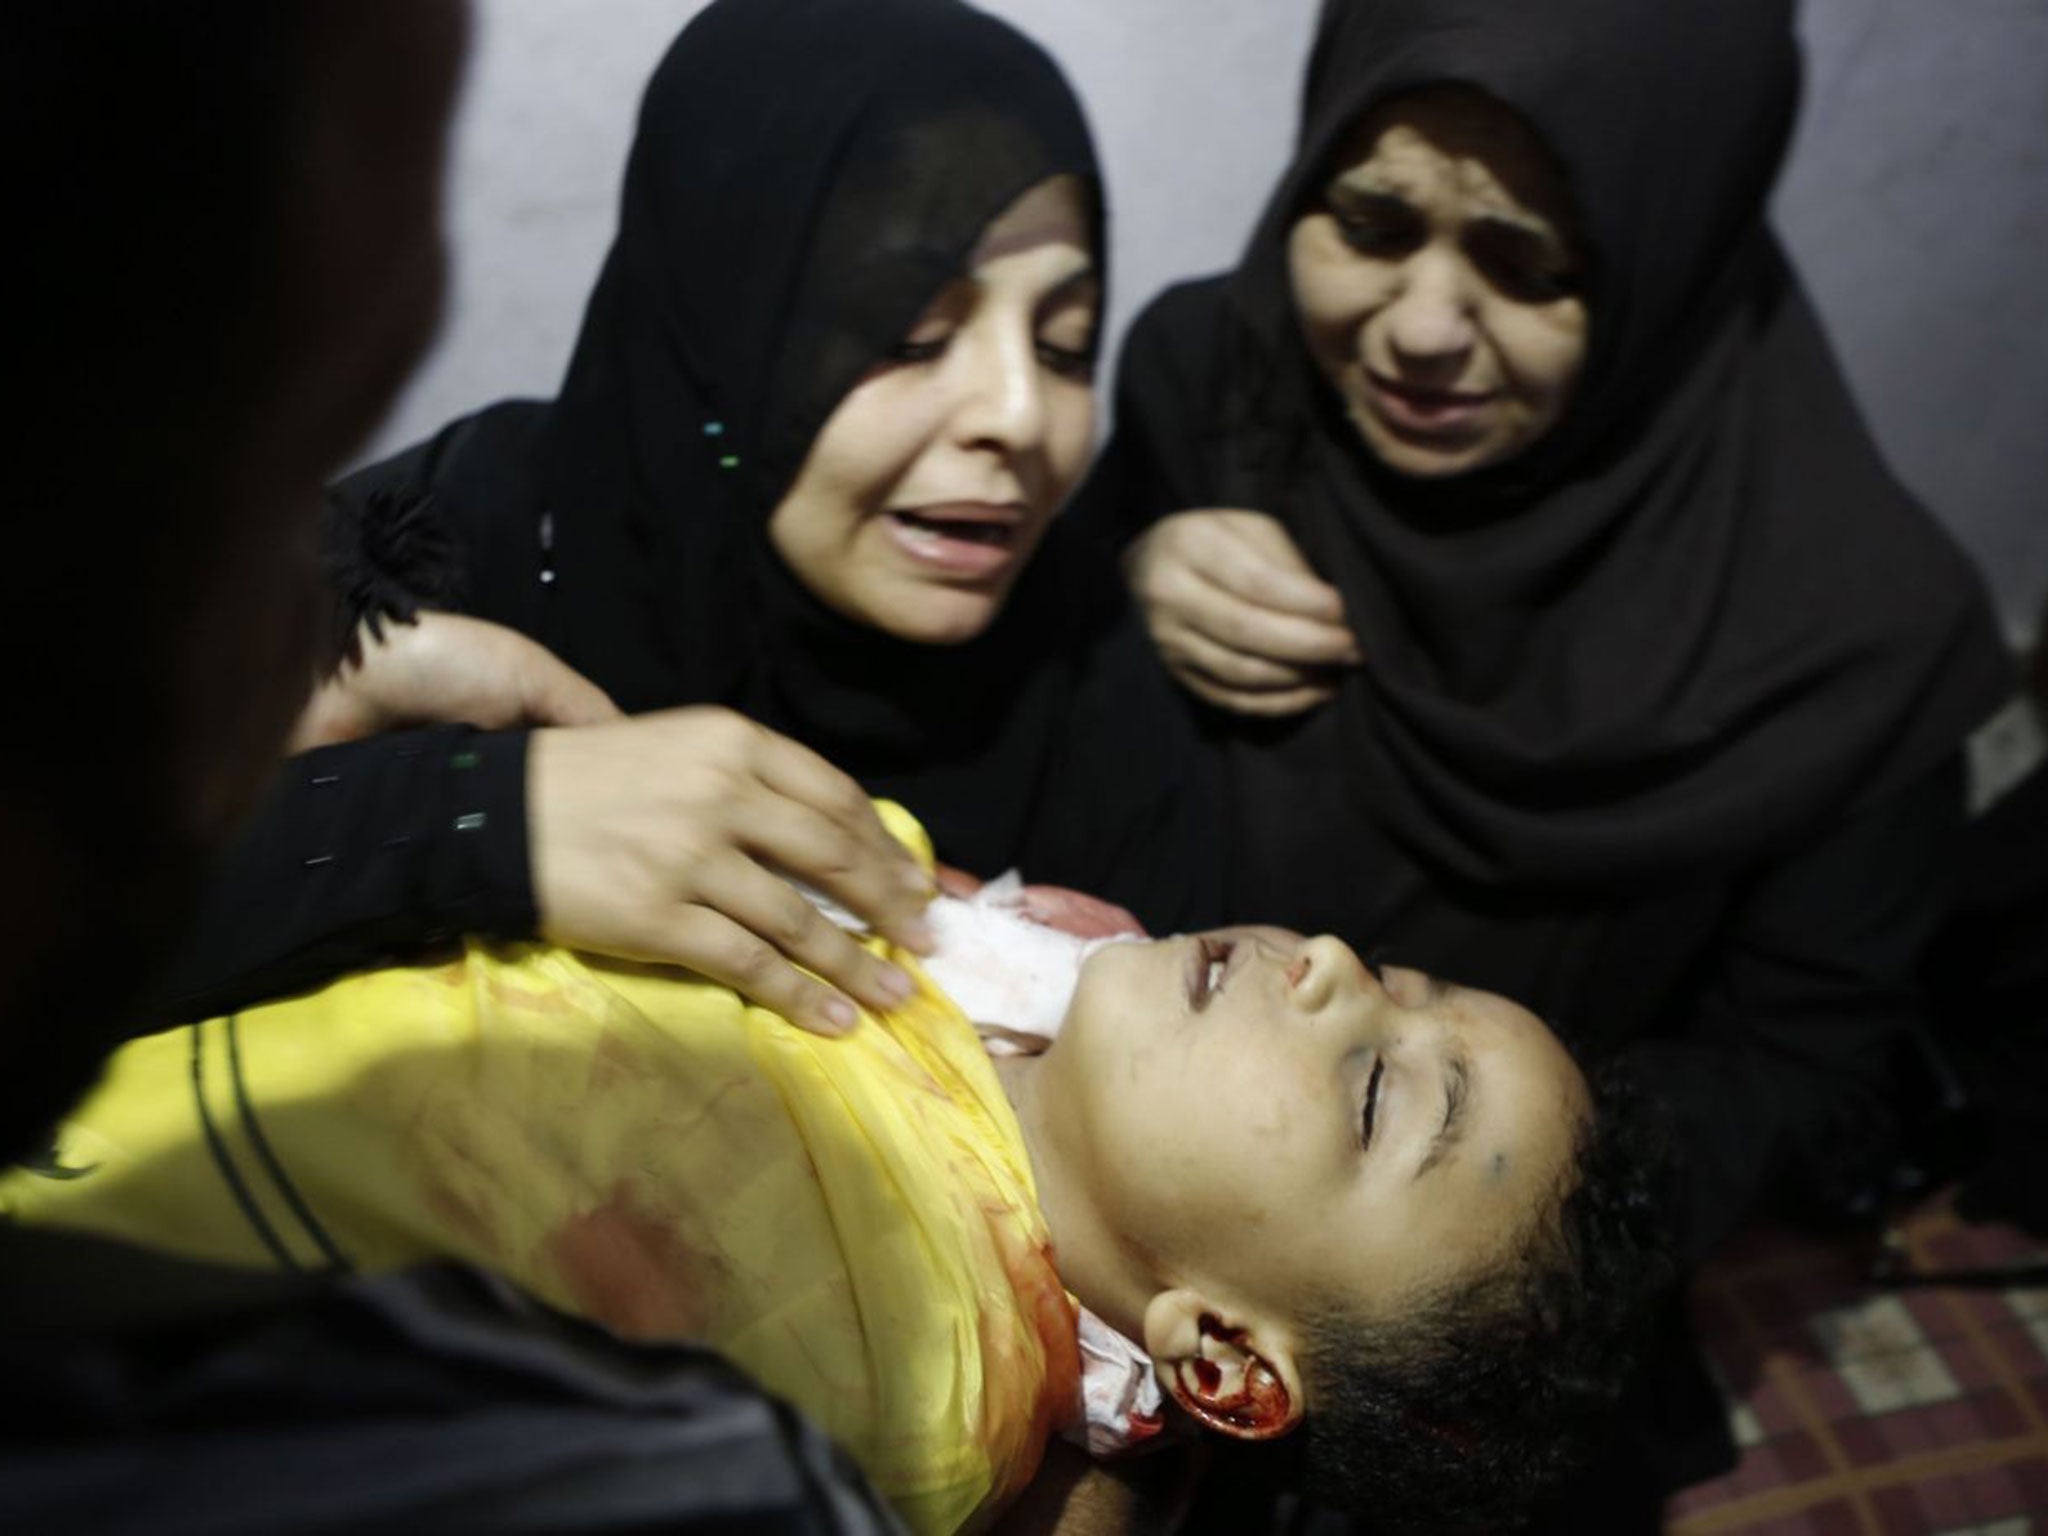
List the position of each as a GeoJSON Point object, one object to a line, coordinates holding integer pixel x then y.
{"type": "Point", "coordinates": [851, 1221]}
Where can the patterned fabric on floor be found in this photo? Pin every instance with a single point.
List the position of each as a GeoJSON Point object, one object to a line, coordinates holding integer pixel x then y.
{"type": "Point", "coordinates": [1868, 1412]}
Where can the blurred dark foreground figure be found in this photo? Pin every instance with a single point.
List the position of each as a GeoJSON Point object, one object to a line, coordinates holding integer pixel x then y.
{"type": "Point", "coordinates": [227, 217]}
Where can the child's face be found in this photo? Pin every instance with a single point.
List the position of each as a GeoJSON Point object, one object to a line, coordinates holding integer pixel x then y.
{"type": "Point", "coordinates": [1263, 1119]}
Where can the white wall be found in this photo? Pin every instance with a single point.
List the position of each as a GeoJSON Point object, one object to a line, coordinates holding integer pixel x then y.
{"type": "Point", "coordinates": [1191, 131]}
{"type": "Point", "coordinates": [1917, 204]}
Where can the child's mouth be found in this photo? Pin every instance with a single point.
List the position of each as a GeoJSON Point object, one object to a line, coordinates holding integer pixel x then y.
{"type": "Point", "coordinates": [1208, 968]}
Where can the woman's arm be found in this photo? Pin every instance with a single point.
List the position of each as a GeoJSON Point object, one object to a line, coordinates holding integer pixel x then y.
{"type": "Point", "coordinates": [372, 849]}
{"type": "Point", "coordinates": [1784, 1087]}
{"type": "Point", "coordinates": [672, 838]}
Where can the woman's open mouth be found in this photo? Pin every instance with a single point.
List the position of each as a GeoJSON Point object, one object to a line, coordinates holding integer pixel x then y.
{"type": "Point", "coordinates": [1425, 412]}
{"type": "Point", "coordinates": [970, 539]}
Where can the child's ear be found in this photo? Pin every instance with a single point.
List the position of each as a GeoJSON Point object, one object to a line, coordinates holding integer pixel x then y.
{"type": "Point", "coordinates": [1226, 1373]}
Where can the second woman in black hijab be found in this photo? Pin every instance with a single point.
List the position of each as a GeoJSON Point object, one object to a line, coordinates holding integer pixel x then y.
{"type": "Point", "coordinates": [1659, 676]}
{"type": "Point", "coordinates": [1562, 629]}
{"type": "Point", "coordinates": [832, 386]}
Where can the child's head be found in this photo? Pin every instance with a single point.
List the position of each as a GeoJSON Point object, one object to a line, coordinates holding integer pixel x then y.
{"type": "Point", "coordinates": [1386, 1211]}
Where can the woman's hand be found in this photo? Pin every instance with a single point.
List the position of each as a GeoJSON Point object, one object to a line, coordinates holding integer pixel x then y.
{"type": "Point", "coordinates": [445, 669]}
{"type": "Point", "coordinates": [1236, 612]}
{"type": "Point", "coordinates": [676, 837]}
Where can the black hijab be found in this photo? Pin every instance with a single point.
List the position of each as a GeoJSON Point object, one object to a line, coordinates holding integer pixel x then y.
{"type": "Point", "coordinates": [807, 175]}
{"type": "Point", "coordinates": [1701, 613]}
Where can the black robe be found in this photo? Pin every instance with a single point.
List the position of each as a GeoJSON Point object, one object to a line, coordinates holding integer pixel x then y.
{"type": "Point", "coordinates": [773, 245]}
{"type": "Point", "coordinates": [1658, 722]}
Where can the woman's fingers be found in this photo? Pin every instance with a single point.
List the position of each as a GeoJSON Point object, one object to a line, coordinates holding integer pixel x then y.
{"type": "Point", "coordinates": [716, 947]}
{"type": "Point", "coordinates": [793, 839]}
{"type": "Point", "coordinates": [1253, 590]}
{"type": "Point", "coordinates": [1227, 665]}
{"type": "Point", "coordinates": [645, 830]}
{"type": "Point", "coordinates": [1253, 556]}
{"type": "Point", "coordinates": [1268, 705]}
{"type": "Point", "coordinates": [1282, 637]}
{"type": "Point", "coordinates": [821, 828]}
{"type": "Point", "coordinates": [1236, 579]}
{"type": "Point", "coordinates": [1245, 685]}
{"type": "Point", "coordinates": [1274, 589]}
{"type": "Point", "coordinates": [774, 911]}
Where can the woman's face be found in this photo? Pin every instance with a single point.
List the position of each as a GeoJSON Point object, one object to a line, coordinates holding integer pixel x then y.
{"type": "Point", "coordinates": [1439, 283]}
{"type": "Point", "coordinates": [928, 489]}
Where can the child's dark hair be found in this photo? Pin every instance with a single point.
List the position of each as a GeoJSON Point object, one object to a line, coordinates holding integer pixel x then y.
{"type": "Point", "coordinates": [1463, 1413]}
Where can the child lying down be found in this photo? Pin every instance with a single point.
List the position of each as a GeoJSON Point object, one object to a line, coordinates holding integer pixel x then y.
{"type": "Point", "coordinates": [1235, 1184]}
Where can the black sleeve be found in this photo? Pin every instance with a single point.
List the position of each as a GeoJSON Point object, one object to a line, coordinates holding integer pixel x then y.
{"type": "Point", "coordinates": [1784, 1086]}
{"type": "Point", "coordinates": [453, 523]}
{"type": "Point", "coordinates": [369, 852]}
{"type": "Point", "coordinates": [388, 548]}
{"type": "Point", "coordinates": [361, 854]}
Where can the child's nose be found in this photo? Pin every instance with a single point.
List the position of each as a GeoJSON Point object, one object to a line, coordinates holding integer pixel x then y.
{"type": "Point", "coordinates": [1323, 971]}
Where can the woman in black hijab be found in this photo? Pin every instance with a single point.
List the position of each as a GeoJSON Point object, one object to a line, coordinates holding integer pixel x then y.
{"type": "Point", "coordinates": [1660, 677]}
{"type": "Point", "coordinates": [1561, 626]}
{"type": "Point", "coordinates": [813, 191]}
